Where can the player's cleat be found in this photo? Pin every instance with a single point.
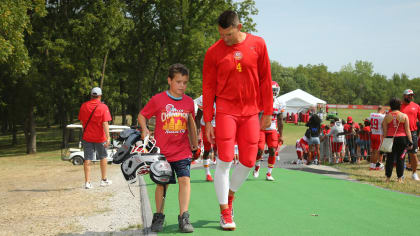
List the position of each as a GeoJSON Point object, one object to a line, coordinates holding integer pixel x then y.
{"type": "Point", "coordinates": [88, 185]}
{"type": "Point", "coordinates": [269, 177]}
{"type": "Point", "coordinates": [209, 178]}
{"type": "Point", "coordinates": [415, 177]}
{"type": "Point", "coordinates": [226, 220]}
{"type": "Point", "coordinates": [256, 173]}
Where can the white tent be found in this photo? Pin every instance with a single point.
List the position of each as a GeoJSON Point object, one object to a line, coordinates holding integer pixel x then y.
{"type": "Point", "coordinates": [299, 100]}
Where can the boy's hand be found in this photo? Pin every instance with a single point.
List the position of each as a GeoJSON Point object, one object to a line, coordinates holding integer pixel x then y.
{"type": "Point", "coordinates": [144, 133]}
{"type": "Point", "coordinates": [210, 133]}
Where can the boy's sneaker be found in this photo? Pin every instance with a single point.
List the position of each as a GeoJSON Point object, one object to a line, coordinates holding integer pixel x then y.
{"type": "Point", "coordinates": [415, 177]}
{"type": "Point", "coordinates": [88, 185]}
{"type": "Point", "coordinates": [226, 220]}
{"type": "Point", "coordinates": [256, 173]}
{"type": "Point", "coordinates": [184, 223]}
{"type": "Point", "coordinates": [157, 222]}
{"type": "Point", "coordinates": [209, 178]}
{"type": "Point", "coordinates": [106, 182]}
{"type": "Point", "coordinates": [269, 177]}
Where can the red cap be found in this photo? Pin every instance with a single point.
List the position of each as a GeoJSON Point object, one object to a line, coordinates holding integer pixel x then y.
{"type": "Point", "coordinates": [349, 119]}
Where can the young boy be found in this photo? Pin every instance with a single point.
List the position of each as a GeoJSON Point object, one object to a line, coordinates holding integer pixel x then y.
{"type": "Point", "coordinates": [176, 135]}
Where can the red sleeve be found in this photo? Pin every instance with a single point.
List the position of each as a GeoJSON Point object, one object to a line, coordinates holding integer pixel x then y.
{"type": "Point", "coordinates": [106, 115]}
{"type": "Point", "coordinates": [209, 86]}
{"type": "Point", "coordinates": [150, 109]}
{"type": "Point", "coordinates": [418, 112]}
{"type": "Point", "coordinates": [264, 74]}
{"type": "Point", "coordinates": [82, 113]}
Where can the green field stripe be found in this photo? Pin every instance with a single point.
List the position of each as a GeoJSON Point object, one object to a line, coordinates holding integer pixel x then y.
{"type": "Point", "coordinates": [286, 207]}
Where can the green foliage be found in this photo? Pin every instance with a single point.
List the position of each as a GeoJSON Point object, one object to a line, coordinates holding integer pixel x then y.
{"type": "Point", "coordinates": [353, 84]}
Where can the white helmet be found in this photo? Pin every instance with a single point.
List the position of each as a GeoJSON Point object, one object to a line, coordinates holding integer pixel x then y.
{"type": "Point", "coordinates": [138, 164]}
{"type": "Point", "coordinates": [276, 88]}
{"type": "Point", "coordinates": [161, 171]}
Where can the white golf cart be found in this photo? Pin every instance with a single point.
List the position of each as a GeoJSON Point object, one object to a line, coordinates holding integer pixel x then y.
{"type": "Point", "coordinates": [73, 150]}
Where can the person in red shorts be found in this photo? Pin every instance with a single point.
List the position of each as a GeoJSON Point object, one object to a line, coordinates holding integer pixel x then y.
{"type": "Point", "coordinates": [376, 120]}
{"type": "Point", "coordinates": [412, 110]}
{"type": "Point", "coordinates": [302, 149]}
{"type": "Point", "coordinates": [272, 136]}
{"type": "Point", "coordinates": [207, 145]}
{"type": "Point", "coordinates": [237, 76]}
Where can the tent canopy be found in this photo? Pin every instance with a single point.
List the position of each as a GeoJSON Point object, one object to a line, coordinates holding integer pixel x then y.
{"type": "Point", "coordinates": [298, 100]}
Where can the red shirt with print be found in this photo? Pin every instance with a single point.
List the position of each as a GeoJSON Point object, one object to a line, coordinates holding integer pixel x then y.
{"type": "Point", "coordinates": [412, 110]}
{"type": "Point", "coordinates": [238, 78]}
{"type": "Point", "coordinates": [94, 132]}
{"type": "Point", "coordinates": [171, 131]}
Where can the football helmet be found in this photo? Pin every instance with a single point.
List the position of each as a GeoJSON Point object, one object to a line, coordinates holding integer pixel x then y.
{"type": "Point", "coordinates": [138, 164]}
{"type": "Point", "coordinates": [161, 171]}
{"type": "Point", "coordinates": [276, 88]}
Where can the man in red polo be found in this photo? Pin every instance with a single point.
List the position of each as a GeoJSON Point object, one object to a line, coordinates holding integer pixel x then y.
{"type": "Point", "coordinates": [237, 76]}
{"type": "Point", "coordinates": [94, 116]}
{"type": "Point", "coordinates": [412, 110]}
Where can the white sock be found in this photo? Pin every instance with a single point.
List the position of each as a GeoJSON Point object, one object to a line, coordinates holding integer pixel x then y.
{"type": "Point", "coordinates": [221, 180]}
{"type": "Point", "coordinates": [269, 170]}
{"type": "Point", "coordinates": [239, 175]}
{"type": "Point", "coordinates": [206, 163]}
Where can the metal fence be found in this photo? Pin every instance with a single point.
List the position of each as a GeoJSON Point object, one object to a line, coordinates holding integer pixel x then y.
{"type": "Point", "coordinates": [353, 149]}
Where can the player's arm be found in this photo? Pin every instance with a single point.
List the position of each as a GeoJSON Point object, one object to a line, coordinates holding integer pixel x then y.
{"type": "Point", "coordinates": [192, 132]}
{"type": "Point", "coordinates": [266, 91]}
{"type": "Point", "coordinates": [198, 119]}
{"type": "Point", "coordinates": [280, 126]}
{"type": "Point", "coordinates": [209, 94]}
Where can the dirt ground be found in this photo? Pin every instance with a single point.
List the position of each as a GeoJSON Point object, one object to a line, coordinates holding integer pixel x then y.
{"type": "Point", "coordinates": [41, 195]}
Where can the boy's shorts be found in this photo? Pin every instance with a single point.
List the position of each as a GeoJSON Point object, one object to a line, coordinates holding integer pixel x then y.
{"type": "Point", "coordinates": [181, 168]}
{"type": "Point", "coordinates": [90, 148]}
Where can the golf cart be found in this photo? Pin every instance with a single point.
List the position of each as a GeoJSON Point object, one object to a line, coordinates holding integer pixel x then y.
{"type": "Point", "coordinates": [73, 150]}
{"type": "Point", "coordinates": [332, 115]}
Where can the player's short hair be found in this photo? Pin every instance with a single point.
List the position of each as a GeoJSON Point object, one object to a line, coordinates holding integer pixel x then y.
{"type": "Point", "coordinates": [380, 107]}
{"type": "Point", "coordinates": [228, 18]}
{"type": "Point", "coordinates": [395, 104]}
{"type": "Point", "coordinates": [178, 69]}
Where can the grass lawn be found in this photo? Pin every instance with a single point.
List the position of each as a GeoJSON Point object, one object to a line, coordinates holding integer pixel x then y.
{"type": "Point", "coordinates": [362, 173]}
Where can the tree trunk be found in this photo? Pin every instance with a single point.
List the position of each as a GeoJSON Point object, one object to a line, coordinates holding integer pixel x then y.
{"type": "Point", "coordinates": [30, 132]}
{"type": "Point", "coordinates": [103, 69]}
{"type": "Point", "coordinates": [14, 133]}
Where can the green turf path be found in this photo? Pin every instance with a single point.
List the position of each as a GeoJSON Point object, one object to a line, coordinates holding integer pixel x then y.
{"type": "Point", "coordinates": [286, 206]}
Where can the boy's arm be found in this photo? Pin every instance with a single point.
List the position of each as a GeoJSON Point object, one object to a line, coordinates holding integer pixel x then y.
{"type": "Point", "coordinates": [142, 122]}
{"type": "Point", "coordinates": [192, 132]}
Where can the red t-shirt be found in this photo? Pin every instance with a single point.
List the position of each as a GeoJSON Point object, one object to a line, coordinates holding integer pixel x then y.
{"type": "Point", "coordinates": [365, 135]}
{"type": "Point", "coordinates": [412, 110]}
{"type": "Point", "coordinates": [171, 131]}
{"type": "Point", "coordinates": [94, 132]}
{"type": "Point", "coordinates": [239, 76]}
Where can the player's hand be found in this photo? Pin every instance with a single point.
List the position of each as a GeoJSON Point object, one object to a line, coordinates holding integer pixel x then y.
{"type": "Point", "coordinates": [144, 132]}
{"type": "Point", "coordinates": [265, 122]}
{"type": "Point", "coordinates": [210, 133]}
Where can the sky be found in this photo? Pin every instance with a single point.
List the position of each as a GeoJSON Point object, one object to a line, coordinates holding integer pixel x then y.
{"type": "Point", "coordinates": [337, 32]}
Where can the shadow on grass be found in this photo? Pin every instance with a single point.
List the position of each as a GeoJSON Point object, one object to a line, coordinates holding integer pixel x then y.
{"type": "Point", "coordinates": [200, 224]}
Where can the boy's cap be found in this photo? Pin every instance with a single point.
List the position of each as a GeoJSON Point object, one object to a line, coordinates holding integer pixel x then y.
{"type": "Point", "coordinates": [408, 92]}
{"type": "Point", "coordinates": [96, 91]}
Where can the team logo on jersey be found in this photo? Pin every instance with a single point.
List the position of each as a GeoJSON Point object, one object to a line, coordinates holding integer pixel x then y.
{"type": "Point", "coordinates": [237, 55]}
